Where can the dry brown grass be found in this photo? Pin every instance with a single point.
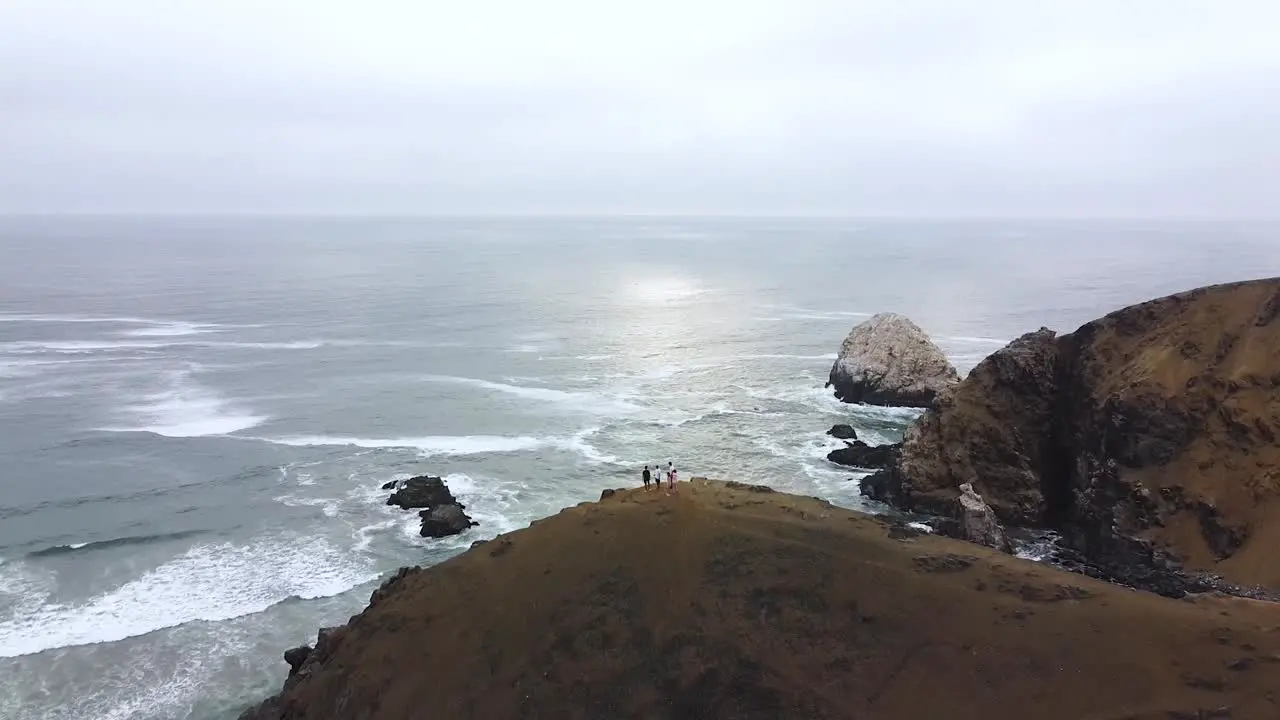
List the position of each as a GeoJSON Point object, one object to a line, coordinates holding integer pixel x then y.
{"type": "Point", "coordinates": [723, 602]}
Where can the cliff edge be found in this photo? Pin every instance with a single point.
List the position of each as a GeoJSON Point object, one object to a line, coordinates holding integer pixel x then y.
{"type": "Point", "coordinates": [733, 601]}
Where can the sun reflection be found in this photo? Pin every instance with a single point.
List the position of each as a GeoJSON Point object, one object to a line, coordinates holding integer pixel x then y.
{"type": "Point", "coordinates": [663, 290]}
{"type": "Point", "coordinates": [660, 319]}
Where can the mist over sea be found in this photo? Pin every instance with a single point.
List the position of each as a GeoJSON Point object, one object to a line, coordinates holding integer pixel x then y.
{"type": "Point", "coordinates": [196, 414]}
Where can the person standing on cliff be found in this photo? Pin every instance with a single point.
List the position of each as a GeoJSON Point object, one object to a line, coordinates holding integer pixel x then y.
{"type": "Point", "coordinates": [647, 477]}
{"type": "Point", "coordinates": [671, 478]}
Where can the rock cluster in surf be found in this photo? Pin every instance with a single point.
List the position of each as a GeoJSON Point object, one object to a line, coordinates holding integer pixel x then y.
{"type": "Point", "coordinates": [1150, 439]}
{"type": "Point", "coordinates": [858, 454]}
{"type": "Point", "coordinates": [889, 360]}
{"type": "Point", "coordinates": [442, 515]}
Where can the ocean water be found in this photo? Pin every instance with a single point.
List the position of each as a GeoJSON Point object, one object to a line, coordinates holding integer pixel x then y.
{"type": "Point", "coordinates": [196, 414]}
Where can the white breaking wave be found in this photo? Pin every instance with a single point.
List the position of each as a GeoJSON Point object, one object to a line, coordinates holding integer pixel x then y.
{"type": "Point", "coordinates": [430, 445]}
{"type": "Point", "coordinates": [187, 410]}
{"type": "Point", "coordinates": [580, 357]}
{"type": "Point", "coordinates": [813, 396]}
{"type": "Point", "coordinates": [587, 402]}
{"type": "Point", "coordinates": [172, 329]}
{"type": "Point", "coordinates": [1038, 548]}
{"type": "Point", "coordinates": [578, 443]}
{"type": "Point", "coordinates": [329, 506]}
{"type": "Point", "coordinates": [449, 445]}
{"type": "Point", "coordinates": [152, 327]}
{"type": "Point", "coordinates": [827, 357]}
{"type": "Point", "coordinates": [499, 506]}
{"type": "Point", "coordinates": [22, 317]}
{"type": "Point", "coordinates": [91, 346]}
{"type": "Point", "coordinates": [208, 582]}
{"type": "Point", "coordinates": [82, 346]}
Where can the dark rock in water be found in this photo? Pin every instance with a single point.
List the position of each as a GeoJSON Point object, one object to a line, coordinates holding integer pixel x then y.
{"type": "Point", "coordinates": [478, 543]}
{"type": "Point", "coordinates": [390, 485]}
{"type": "Point", "coordinates": [748, 487]}
{"type": "Point", "coordinates": [443, 521]}
{"type": "Point", "coordinates": [423, 491]}
{"type": "Point", "coordinates": [877, 486]}
{"type": "Point", "coordinates": [843, 432]}
{"type": "Point", "coordinates": [303, 662]}
{"type": "Point", "coordinates": [296, 657]}
{"type": "Point", "coordinates": [607, 493]}
{"type": "Point", "coordinates": [889, 360]}
{"type": "Point", "coordinates": [441, 514]}
{"type": "Point", "coordinates": [861, 455]}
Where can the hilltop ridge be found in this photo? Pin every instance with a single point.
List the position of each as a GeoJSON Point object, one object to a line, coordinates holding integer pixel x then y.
{"type": "Point", "coordinates": [734, 601]}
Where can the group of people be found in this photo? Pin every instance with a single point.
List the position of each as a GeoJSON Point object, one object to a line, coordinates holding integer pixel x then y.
{"type": "Point", "coordinates": [655, 477]}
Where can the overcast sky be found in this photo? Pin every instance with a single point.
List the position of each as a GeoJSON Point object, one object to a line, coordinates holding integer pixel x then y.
{"type": "Point", "coordinates": [874, 107]}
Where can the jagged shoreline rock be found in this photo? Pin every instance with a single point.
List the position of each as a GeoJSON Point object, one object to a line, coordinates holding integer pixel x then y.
{"type": "Point", "coordinates": [442, 515]}
{"type": "Point", "coordinates": [889, 360]}
{"type": "Point", "coordinates": [843, 431]}
{"type": "Point", "coordinates": [978, 522]}
{"type": "Point", "coordinates": [858, 454]}
{"type": "Point", "coordinates": [1147, 438]}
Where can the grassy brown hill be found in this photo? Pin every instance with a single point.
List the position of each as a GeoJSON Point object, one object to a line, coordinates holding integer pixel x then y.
{"type": "Point", "coordinates": [1150, 437]}
{"type": "Point", "coordinates": [729, 602]}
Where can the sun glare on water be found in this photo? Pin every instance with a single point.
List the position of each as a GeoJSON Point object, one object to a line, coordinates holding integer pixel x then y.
{"type": "Point", "coordinates": [662, 290]}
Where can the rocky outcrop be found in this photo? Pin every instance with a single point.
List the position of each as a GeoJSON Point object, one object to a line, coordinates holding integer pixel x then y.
{"type": "Point", "coordinates": [296, 657]}
{"type": "Point", "coordinates": [443, 521]}
{"type": "Point", "coordinates": [889, 360]}
{"type": "Point", "coordinates": [978, 522]}
{"type": "Point", "coordinates": [1147, 438]}
{"type": "Point", "coordinates": [442, 515]}
{"type": "Point", "coordinates": [424, 491]}
{"type": "Point", "coordinates": [992, 432]}
{"type": "Point", "coordinates": [861, 455]}
{"type": "Point", "coordinates": [843, 432]}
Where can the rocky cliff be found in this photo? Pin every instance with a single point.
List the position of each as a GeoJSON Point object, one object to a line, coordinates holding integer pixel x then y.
{"type": "Point", "coordinates": [1150, 438]}
{"type": "Point", "coordinates": [732, 601]}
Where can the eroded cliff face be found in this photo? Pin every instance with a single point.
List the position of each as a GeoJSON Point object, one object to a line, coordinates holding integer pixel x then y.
{"type": "Point", "coordinates": [1149, 437]}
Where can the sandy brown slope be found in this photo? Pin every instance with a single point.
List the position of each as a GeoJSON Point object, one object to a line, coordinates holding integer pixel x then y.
{"type": "Point", "coordinates": [721, 602]}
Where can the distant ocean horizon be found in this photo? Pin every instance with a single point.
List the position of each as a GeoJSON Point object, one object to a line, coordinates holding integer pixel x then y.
{"type": "Point", "coordinates": [197, 412]}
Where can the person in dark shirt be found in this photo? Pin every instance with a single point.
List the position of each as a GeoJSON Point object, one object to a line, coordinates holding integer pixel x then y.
{"type": "Point", "coordinates": [647, 477]}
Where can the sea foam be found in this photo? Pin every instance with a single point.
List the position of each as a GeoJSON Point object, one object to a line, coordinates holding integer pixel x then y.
{"type": "Point", "coordinates": [575, 401]}
{"type": "Point", "coordinates": [187, 409]}
{"type": "Point", "coordinates": [210, 582]}
{"type": "Point", "coordinates": [450, 445]}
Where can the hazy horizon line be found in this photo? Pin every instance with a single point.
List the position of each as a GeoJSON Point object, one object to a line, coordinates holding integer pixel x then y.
{"type": "Point", "coordinates": [598, 215]}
